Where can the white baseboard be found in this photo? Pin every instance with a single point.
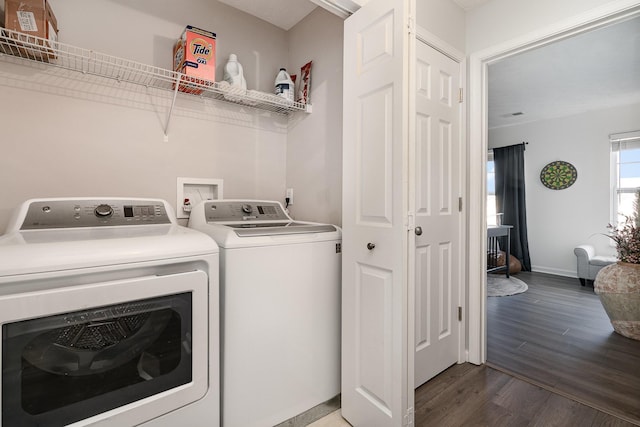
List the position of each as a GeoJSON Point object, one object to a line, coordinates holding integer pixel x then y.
{"type": "Point", "coordinates": [556, 271]}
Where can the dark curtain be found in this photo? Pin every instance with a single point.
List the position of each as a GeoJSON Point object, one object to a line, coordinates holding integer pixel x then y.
{"type": "Point", "coordinates": [510, 198]}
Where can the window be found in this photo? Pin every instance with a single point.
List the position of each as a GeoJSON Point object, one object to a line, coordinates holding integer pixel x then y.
{"type": "Point", "coordinates": [492, 218]}
{"type": "Point", "coordinates": [625, 173]}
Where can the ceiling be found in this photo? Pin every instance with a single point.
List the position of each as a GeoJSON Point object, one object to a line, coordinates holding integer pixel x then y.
{"type": "Point", "coordinates": [470, 4]}
{"type": "Point", "coordinates": [295, 10]}
{"type": "Point", "coordinates": [281, 13]}
{"type": "Point", "coordinates": [591, 71]}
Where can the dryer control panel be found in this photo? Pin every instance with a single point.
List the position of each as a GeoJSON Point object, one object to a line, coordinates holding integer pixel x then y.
{"type": "Point", "coordinates": [244, 210]}
{"type": "Point", "coordinates": [74, 213]}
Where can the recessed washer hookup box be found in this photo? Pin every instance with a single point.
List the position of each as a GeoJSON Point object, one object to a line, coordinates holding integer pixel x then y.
{"type": "Point", "coordinates": [194, 55]}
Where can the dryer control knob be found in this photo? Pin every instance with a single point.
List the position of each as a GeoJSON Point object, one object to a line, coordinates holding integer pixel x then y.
{"type": "Point", "coordinates": [247, 209]}
{"type": "Point", "coordinates": [103, 211]}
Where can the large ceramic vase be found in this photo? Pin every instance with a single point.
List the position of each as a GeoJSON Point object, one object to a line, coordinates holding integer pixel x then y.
{"type": "Point", "coordinates": [618, 286]}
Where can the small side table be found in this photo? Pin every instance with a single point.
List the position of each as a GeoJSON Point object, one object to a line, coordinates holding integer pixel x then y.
{"type": "Point", "coordinates": [493, 248]}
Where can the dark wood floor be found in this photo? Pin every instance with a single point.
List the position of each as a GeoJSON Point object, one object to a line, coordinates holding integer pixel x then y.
{"type": "Point", "coordinates": [558, 336]}
{"type": "Point", "coordinates": [470, 395]}
{"type": "Point", "coordinates": [559, 349]}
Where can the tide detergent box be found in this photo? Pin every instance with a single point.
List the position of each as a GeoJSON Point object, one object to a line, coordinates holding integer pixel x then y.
{"type": "Point", "coordinates": [194, 55]}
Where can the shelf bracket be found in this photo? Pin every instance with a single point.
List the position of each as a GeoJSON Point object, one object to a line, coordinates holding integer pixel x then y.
{"type": "Point", "coordinates": [173, 102]}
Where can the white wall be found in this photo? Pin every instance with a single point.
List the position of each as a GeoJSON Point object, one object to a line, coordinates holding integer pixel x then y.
{"type": "Point", "coordinates": [444, 19]}
{"type": "Point", "coordinates": [559, 220]}
{"type": "Point", "coordinates": [64, 137]}
{"type": "Point", "coordinates": [501, 20]}
{"type": "Point", "coordinates": [314, 143]}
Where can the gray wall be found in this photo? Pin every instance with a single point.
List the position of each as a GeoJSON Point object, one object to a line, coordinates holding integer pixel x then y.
{"type": "Point", "coordinates": [314, 141]}
{"type": "Point", "coordinates": [95, 137]}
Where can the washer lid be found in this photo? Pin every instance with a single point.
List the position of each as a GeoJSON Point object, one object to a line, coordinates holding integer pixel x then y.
{"type": "Point", "coordinates": [273, 229]}
{"type": "Point", "coordinates": [253, 223]}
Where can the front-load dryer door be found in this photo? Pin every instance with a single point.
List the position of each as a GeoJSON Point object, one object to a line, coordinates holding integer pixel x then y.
{"type": "Point", "coordinates": [117, 352]}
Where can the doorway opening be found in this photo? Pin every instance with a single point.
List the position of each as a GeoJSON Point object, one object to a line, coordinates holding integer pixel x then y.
{"type": "Point", "coordinates": [555, 280]}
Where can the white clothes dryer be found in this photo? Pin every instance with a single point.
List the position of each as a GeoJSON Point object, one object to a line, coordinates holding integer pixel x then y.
{"type": "Point", "coordinates": [109, 316]}
{"type": "Point", "coordinates": [280, 303]}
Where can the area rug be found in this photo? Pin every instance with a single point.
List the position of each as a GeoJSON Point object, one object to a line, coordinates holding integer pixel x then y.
{"type": "Point", "coordinates": [501, 286]}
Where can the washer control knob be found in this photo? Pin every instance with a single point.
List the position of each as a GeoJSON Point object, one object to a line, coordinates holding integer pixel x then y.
{"type": "Point", "coordinates": [247, 209]}
{"type": "Point", "coordinates": [103, 211]}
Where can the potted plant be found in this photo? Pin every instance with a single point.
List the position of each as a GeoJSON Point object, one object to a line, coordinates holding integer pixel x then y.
{"type": "Point", "coordinates": [618, 285]}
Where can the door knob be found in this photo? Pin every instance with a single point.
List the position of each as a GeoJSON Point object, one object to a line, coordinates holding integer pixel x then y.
{"type": "Point", "coordinates": [418, 231]}
{"type": "Point", "coordinates": [370, 246]}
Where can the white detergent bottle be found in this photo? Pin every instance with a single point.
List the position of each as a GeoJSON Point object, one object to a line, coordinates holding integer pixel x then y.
{"type": "Point", "coordinates": [284, 85]}
{"type": "Point", "coordinates": [233, 73]}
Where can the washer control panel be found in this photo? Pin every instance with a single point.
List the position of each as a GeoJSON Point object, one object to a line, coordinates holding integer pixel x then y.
{"type": "Point", "coordinates": [45, 214]}
{"type": "Point", "coordinates": [232, 211]}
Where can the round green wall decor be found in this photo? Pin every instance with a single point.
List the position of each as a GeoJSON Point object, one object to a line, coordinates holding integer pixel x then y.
{"type": "Point", "coordinates": [558, 175]}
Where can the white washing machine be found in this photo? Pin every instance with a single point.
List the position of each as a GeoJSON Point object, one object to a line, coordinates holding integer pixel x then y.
{"type": "Point", "coordinates": [109, 316]}
{"type": "Point", "coordinates": [280, 291]}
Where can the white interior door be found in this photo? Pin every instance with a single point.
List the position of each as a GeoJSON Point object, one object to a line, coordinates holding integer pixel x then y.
{"type": "Point", "coordinates": [437, 163]}
{"type": "Point", "coordinates": [375, 382]}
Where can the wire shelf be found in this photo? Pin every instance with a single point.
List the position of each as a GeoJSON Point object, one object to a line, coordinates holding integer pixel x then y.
{"type": "Point", "coordinates": [36, 49]}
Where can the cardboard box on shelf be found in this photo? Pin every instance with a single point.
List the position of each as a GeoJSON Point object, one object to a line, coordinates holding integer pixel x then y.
{"type": "Point", "coordinates": [34, 18]}
{"type": "Point", "coordinates": [194, 55]}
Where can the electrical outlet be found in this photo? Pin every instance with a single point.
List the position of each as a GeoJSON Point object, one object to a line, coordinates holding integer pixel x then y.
{"type": "Point", "coordinates": [290, 195]}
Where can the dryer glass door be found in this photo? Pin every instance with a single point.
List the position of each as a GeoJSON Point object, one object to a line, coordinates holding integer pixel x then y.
{"type": "Point", "coordinates": [61, 368]}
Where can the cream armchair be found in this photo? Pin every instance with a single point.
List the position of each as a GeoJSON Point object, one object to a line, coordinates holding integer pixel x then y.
{"type": "Point", "coordinates": [589, 263]}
